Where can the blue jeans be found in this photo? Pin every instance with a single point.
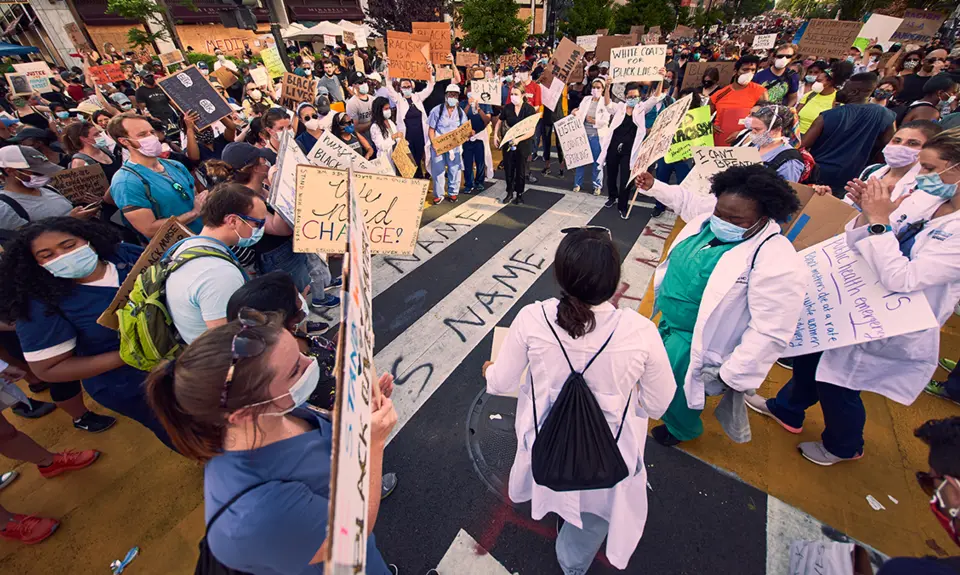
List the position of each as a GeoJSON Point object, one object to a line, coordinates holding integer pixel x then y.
{"type": "Point", "coordinates": [473, 155]}
{"type": "Point", "coordinates": [438, 167]}
{"type": "Point", "coordinates": [576, 548]}
{"type": "Point", "coordinates": [681, 169]}
{"type": "Point", "coordinates": [952, 385]}
{"type": "Point", "coordinates": [305, 269]}
{"type": "Point", "coordinates": [597, 168]}
{"type": "Point", "coordinates": [843, 412]}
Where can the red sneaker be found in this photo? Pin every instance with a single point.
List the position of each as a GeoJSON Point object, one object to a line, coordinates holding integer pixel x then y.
{"type": "Point", "coordinates": [68, 461]}
{"type": "Point", "coordinates": [29, 529]}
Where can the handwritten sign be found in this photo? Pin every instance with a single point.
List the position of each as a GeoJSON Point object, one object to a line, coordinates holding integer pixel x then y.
{"type": "Point", "coordinates": [391, 208]}
{"type": "Point", "coordinates": [171, 58]}
{"type": "Point", "coordinates": [637, 30]}
{"type": "Point", "coordinates": [918, 26]}
{"type": "Point", "coordinates": [695, 130]}
{"type": "Point", "coordinates": [637, 63]}
{"type": "Point", "coordinates": [550, 96]}
{"type": "Point", "coordinates": [710, 161]}
{"type": "Point", "coordinates": [409, 56]}
{"type": "Point", "coordinates": [38, 73]}
{"type": "Point", "coordinates": [486, 91]}
{"type": "Point", "coordinates": [379, 45]}
{"type": "Point", "coordinates": [260, 76]}
{"type": "Point", "coordinates": [764, 41]}
{"type": "Point", "coordinates": [283, 189]}
{"type": "Point", "coordinates": [190, 91]}
{"type": "Point", "coordinates": [296, 89]}
{"type": "Point", "coordinates": [521, 131]}
{"type": "Point", "coordinates": [330, 40]}
{"type": "Point", "coordinates": [847, 305]}
{"type": "Point", "coordinates": [403, 159]}
{"type": "Point", "coordinates": [332, 152]}
{"type": "Point", "coordinates": [467, 59]}
{"type": "Point", "coordinates": [76, 37]}
{"type": "Point", "coordinates": [682, 32]}
{"type": "Point", "coordinates": [573, 141]}
{"type": "Point", "coordinates": [444, 73]}
{"type": "Point", "coordinates": [510, 61]}
{"type": "Point", "coordinates": [225, 76]}
{"type": "Point", "coordinates": [349, 39]}
{"type": "Point", "coordinates": [107, 73]}
{"type": "Point", "coordinates": [603, 31]}
{"type": "Point", "coordinates": [169, 233]}
{"type": "Point", "coordinates": [660, 137]}
{"type": "Point", "coordinates": [563, 62]}
{"type": "Point", "coordinates": [81, 186]}
{"type": "Point", "coordinates": [355, 394]}
{"type": "Point", "coordinates": [271, 59]}
{"type": "Point", "coordinates": [443, 143]}
{"type": "Point", "coordinates": [694, 72]}
{"type": "Point", "coordinates": [829, 38]}
{"type": "Point", "coordinates": [588, 42]}
{"type": "Point", "coordinates": [438, 36]}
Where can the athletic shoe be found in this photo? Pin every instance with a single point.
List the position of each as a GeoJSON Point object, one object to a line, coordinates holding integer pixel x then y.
{"type": "Point", "coordinates": [317, 326]}
{"type": "Point", "coordinates": [34, 409]}
{"type": "Point", "coordinates": [624, 216]}
{"type": "Point", "coordinates": [437, 200]}
{"type": "Point", "coordinates": [387, 484]}
{"type": "Point", "coordinates": [948, 364]}
{"type": "Point", "coordinates": [940, 390]}
{"type": "Point", "coordinates": [68, 460]}
{"type": "Point", "coordinates": [576, 189]}
{"type": "Point", "coordinates": [28, 529]}
{"type": "Point", "coordinates": [467, 190]}
{"type": "Point", "coordinates": [786, 363]}
{"type": "Point", "coordinates": [815, 451]}
{"type": "Point", "coordinates": [94, 422]}
{"type": "Point", "coordinates": [335, 283]}
{"type": "Point", "coordinates": [657, 212]}
{"type": "Point", "coordinates": [610, 203]}
{"type": "Point", "coordinates": [532, 179]}
{"type": "Point", "coordinates": [453, 198]}
{"type": "Point", "coordinates": [758, 403]}
{"type": "Point", "coordinates": [597, 191]}
{"type": "Point", "coordinates": [560, 174]}
{"type": "Point", "coordinates": [8, 477]}
{"type": "Point", "coordinates": [663, 436]}
{"type": "Point", "coordinates": [329, 301]}
{"type": "Point", "coordinates": [39, 387]}
{"type": "Point", "coordinates": [394, 570]}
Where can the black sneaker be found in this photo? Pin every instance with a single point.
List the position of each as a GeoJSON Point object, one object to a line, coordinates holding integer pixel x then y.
{"type": "Point", "coordinates": [387, 485]}
{"type": "Point", "coordinates": [624, 216]}
{"type": "Point", "coordinates": [317, 326]}
{"type": "Point", "coordinates": [663, 436]}
{"type": "Point", "coordinates": [610, 203]}
{"type": "Point", "coordinates": [33, 409]}
{"type": "Point", "coordinates": [39, 387]}
{"type": "Point", "coordinates": [94, 422]}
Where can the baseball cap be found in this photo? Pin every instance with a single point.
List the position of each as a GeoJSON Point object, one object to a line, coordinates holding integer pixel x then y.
{"type": "Point", "coordinates": [32, 133]}
{"type": "Point", "coordinates": [357, 78]}
{"type": "Point", "coordinates": [240, 154]}
{"type": "Point", "coordinates": [376, 77]}
{"type": "Point", "coordinates": [9, 121]}
{"type": "Point", "coordinates": [27, 158]}
{"type": "Point", "coordinates": [452, 88]}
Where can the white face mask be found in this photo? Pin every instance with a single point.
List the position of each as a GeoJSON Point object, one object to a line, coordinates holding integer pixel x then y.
{"type": "Point", "coordinates": [387, 113]}
{"type": "Point", "coordinates": [781, 63]}
{"type": "Point", "coordinates": [745, 78]}
{"type": "Point", "coordinates": [596, 92]}
{"type": "Point", "coordinates": [363, 89]}
{"type": "Point", "coordinates": [300, 391]}
{"type": "Point", "coordinates": [817, 87]}
{"type": "Point", "coordinates": [312, 125]}
{"type": "Point", "coordinates": [36, 181]}
{"type": "Point", "coordinates": [515, 100]}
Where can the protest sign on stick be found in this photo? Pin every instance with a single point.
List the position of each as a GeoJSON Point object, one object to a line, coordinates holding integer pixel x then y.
{"type": "Point", "coordinates": [521, 131]}
{"type": "Point", "coordinates": [38, 73]}
{"type": "Point", "coordinates": [283, 190]}
{"type": "Point", "coordinates": [332, 152]}
{"type": "Point", "coordinates": [437, 34]}
{"type": "Point", "coordinates": [637, 63]}
{"type": "Point", "coordinates": [82, 186]}
{"type": "Point", "coordinates": [407, 58]}
{"type": "Point", "coordinates": [486, 91]}
{"type": "Point", "coordinates": [659, 139]}
{"type": "Point", "coordinates": [76, 37]}
{"type": "Point", "coordinates": [846, 304]}
{"type": "Point", "coordinates": [225, 76]}
{"type": "Point", "coordinates": [191, 92]}
{"type": "Point", "coordinates": [694, 71]}
{"type": "Point", "coordinates": [391, 208]}
{"type": "Point", "coordinates": [443, 143]}
{"type": "Point", "coordinates": [829, 38]}
{"type": "Point", "coordinates": [171, 58]}
{"type": "Point", "coordinates": [403, 159]}
{"type": "Point", "coordinates": [918, 26]}
{"type": "Point", "coordinates": [764, 41]}
{"type": "Point", "coordinates": [573, 141]}
{"type": "Point", "coordinates": [271, 59]}
{"type": "Point", "coordinates": [296, 89]}
{"type": "Point", "coordinates": [695, 130]}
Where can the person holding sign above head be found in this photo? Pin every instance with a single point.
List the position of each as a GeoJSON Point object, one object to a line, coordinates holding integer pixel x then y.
{"type": "Point", "coordinates": [412, 116]}
{"type": "Point", "coordinates": [594, 112]}
{"type": "Point", "coordinates": [516, 153]}
{"type": "Point", "coordinates": [730, 289]}
{"type": "Point", "coordinates": [923, 257]}
{"type": "Point", "coordinates": [235, 400]}
{"type": "Point", "coordinates": [446, 168]}
{"type": "Point", "coordinates": [732, 103]}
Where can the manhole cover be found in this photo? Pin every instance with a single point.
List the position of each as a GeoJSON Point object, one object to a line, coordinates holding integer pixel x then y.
{"type": "Point", "coordinates": [492, 440]}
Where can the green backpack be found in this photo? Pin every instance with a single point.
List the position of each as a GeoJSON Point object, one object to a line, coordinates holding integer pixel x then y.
{"type": "Point", "coordinates": [147, 333]}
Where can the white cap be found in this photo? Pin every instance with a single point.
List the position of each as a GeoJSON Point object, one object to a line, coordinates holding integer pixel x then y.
{"type": "Point", "coordinates": [27, 158]}
{"type": "Point", "coordinates": [376, 77]}
{"type": "Point", "coordinates": [452, 88]}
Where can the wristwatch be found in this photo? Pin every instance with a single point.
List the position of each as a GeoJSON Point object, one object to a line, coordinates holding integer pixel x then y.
{"type": "Point", "coordinates": [877, 229]}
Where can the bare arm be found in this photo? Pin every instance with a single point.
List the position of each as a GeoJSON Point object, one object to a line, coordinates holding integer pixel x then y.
{"type": "Point", "coordinates": [215, 323]}
{"type": "Point", "coordinates": [810, 136]}
{"type": "Point", "coordinates": [69, 367]}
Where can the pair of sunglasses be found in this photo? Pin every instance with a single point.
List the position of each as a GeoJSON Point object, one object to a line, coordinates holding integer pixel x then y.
{"type": "Point", "coordinates": [255, 222]}
{"type": "Point", "coordinates": [310, 117]}
{"type": "Point", "coordinates": [246, 344]}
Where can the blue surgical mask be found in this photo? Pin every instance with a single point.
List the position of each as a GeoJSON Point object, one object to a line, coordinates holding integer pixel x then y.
{"type": "Point", "coordinates": [725, 231]}
{"type": "Point", "coordinates": [935, 186]}
{"type": "Point", "coordinates": [255, 237]}
{"type": "Point", "coordinates": [301, 390]}
{"type": "Point", "coordinates": [63, 115]}
{"type": "Point", "coordinates": [349, 129]}
{"type": "Point", "coordinates": [632, 102]}
{"type": "Point", "coordinates": [452, 102]}
{"type": "Point", "coordinates": [810, 78]}
{"type": "Point", "coordinates": [79, 263]}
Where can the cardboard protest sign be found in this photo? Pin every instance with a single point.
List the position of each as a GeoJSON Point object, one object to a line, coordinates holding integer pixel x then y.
{"type": "Point", "coordinates": [564, 60]}
{"type": "Point", "coordinates": [578, 72]}
{"type": "Point", "coordinates": [349, 39]}
{"type": "Point", "coordinates": [822, 218]}
{"type": "Point", "coordinates": [355, 393]}
{"type": "Point", "coordinates": [403, 159]}
{"type": "Point", "coordinates": [271, 59]}
{"type": "Point", "coordinates": [358, 64]}
{"type": "Point", "coordinates": [659, 139]}
{"type": "Point", "coordinates": [846, 304]}
{"type": "Point", "coordinates": [283, 190]}
{"type": "Point", "coordinates": [467, 59]}
{"type": "Point", "coordinates": [260, 76]}
{"type": "Point", "coordinates": [107, 73]}
{"type": "Point", "coordinates": [19, 84]}
{"type": "Point", "coordinates": [76, 37]}
{"type": "Point", "coordinates": [170, 233]}
{"type": "Point", "coordinates": [694, 71]}
{"type": "Point", "coordinates": [637, 30]}
{"type": "Point", "coordinates": [829, 38]}
{"type": "Point", "coordinates": [330, 40]}
{"type": "Point", "coordinates": [379, 44]}
{"type": "Point", "coordinates": [81, 186]}
{"type": "Point", "coordinates": [588, 42]}
{"type": "Point", "coordinates": [38, 73]}
{"type": "Point", "coordinates": [650, 38]}
{"type": "Point", "coordinates": [332, 152]}
{"type": "Point", "coordinates": [437, 34]}
{"type": "Point", "coordinates": [637, 63]}
{"type": "Point", "coordinates": [654, 30]}
{"type": "Point", "coordinates": [190, 91]}
{"type": "Point", "coordinates": [573, 141]}
{"type": "Point", "coordinates": [683, 32]}
{"type": "Point", "coordinates": [880, 27]}
{"type": "Point", "coordinates": [171, 58]}
{"type": "Point", "coordinates": [443, 73]}
{"type": "Point", "coordinates": [510, 61]}
{"type": "Point", "coordinates": [443, 143]}
{"type": "Point", "coordinates": [521, 131]}
{"type": "Point", "coordinates": [486, 91]}
{"type": "Point", "coordinates": [918, 26]}
{"type": "Point", "coordinates": [407, 57]}
{"type": "Point", "coordinates": [764, 41]}
{"type": "Point", "coordinates": [225, 76]}
{"type": "Point", "coordinates": [391, 208]}
{"type": "Point", "coordinates": [695, 130]}
{"type": "Point", "coordinates": [296, 89]}
{"type": "Point", "coordinates": [607, 43]}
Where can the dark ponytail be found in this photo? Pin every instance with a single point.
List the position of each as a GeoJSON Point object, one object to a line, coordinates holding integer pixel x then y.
{"type": "Point", "coordinates": [193, 438]}
{"type": "Point", "coordinates": [587, 267]}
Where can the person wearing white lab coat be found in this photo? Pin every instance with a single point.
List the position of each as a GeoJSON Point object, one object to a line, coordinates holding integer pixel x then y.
{"type": "Point", "coordinates": [594, 114]}
{"type": "Point", "coordinates": [630, 379]}
{"type": "Point", "coordinates": [410, 109]}
{"type": "Point", "coordinates": [622, 136]}
{"type": "Point", "coordinates": [927, 259]}
{"type": "Point", "coordinates": [731, 288]}
{"type": "Point", "coordinates": [383, 132]}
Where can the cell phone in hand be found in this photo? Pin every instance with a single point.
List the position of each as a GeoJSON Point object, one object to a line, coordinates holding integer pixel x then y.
{"type": "Point", "coordinates": [92, 206]}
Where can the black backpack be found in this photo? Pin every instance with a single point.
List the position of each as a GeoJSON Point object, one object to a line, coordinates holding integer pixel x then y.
{"type": "Point", "coordinates": [207, 564]}
{"type": "Point", "coordinates": [575, 450]}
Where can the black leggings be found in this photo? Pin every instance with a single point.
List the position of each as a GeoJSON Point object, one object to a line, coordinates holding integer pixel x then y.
{"type": "Point", "coordinates": [515, 170]}
{"type": "Point", "coordinates": [61, 391]}
{"type": "Point", "coordinates": [617, 171]}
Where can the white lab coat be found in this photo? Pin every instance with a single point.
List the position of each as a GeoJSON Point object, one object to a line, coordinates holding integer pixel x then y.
{"type": "Point", "coordinates": [899, 367]}
{"type": "Point", "coordinates": [634, 361]}
{"type": "Point", "coordinates": [384, 143]}
{"type": "Point", "coordinates": [403, 107]}
{"type": "Point", "coordinates": [619, 112]}
{"type": "Point", "coordinates": [747, 316]}
{"type": "Point", "coordinates": [601, 116]}
{"type": "Point", "coordinates": [919, 206]}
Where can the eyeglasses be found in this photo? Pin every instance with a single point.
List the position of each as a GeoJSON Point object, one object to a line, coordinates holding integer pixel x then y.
{"type": "Point", "coordinates": [587, 229]}
{"type": "Point", "coordinates": [256, 222]}
{"type": "Point", "coordinates": [310, 117]}
{"type": "Point", "coordinates": [246, 344]}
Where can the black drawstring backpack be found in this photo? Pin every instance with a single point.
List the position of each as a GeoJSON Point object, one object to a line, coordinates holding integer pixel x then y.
{"type": "Point", "coordinates": [575, 449]}
{"type": "Point", "coordinates": [207, 564]}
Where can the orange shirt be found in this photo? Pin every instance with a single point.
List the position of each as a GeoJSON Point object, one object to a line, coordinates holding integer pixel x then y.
{"type": "Point", "coordinates": [732, 106]}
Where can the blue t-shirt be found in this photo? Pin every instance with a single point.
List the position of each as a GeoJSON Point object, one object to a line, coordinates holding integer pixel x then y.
{"type": "Point", "coordinates": [75, 318]}
{"type": "Point", "coordinates": [778, 87]}
{"type": "Point", "coordinates": [278, 527]}
{"type": "Point", "coordinates": [128, 190]}
{"type": "Point", "coordinates": [846, 141]}
{"type": "Point", "coordinates": [306, 141]}
{"type": "Point", "coordinates": [476, 122]}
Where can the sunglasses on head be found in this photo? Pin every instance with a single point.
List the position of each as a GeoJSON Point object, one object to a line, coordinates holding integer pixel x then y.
{"type": "Point", "coordinates": [246, 344]}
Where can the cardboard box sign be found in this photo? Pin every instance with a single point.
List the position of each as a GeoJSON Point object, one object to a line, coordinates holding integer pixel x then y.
{"type": "Point", "coordinates": [467, 59]}
{"type": "Point", "coordinates": [443, 143]}
{"type": "Point", "coordinates": [171, 58]}
{"type": "Point", "coordinates": [225, 76]}
{"type": "Point", "coordinates": [296, 89]}
{"type": "Point", "coordinates": [829, 38]}
{"type": "Point", "coordinates": [437, 34]}
{"type": "Point", "coordinates": [82, 186]}
{"type": "Point", "coordinates": [918, 26]}
{"type": "Point", "coordinates": [409, 56]}
{"type": "Point", "coordinates": [822, 218]}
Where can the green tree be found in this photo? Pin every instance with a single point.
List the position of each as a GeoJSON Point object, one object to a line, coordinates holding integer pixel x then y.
{"type": "Point", "coordinates": [643, 13]}
{"type": "Point", "coordinates": [146, 12]}
{"type": "Point", "coordinates": [491, 26]}
{"type": "Point", "coordinates": [585, 17]}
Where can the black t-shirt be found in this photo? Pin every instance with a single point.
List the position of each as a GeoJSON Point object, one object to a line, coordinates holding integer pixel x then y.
{"type": "Point", "coordinates": [912, 88]}
{"type": "Point", "coordinates": [156, 102]}
{"type": "Point", "coordinates": [625, 133]}
{"type": "Point", "coordinates": [510, 117]}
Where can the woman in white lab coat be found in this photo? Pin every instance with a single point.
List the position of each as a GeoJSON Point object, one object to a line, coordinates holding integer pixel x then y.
{"type": "Point", "coordinates": [730, 289]}
{"type": "Point", "coordinates": [383, 132]}
{"type": "Point", "coordinates": [594, 113]}
{"type": "Point", "coordinates": [410, 109]}
{"type": "Point", "coordinates": [923, 257]}
{"type": "Point", "coordinates": [630, 379]}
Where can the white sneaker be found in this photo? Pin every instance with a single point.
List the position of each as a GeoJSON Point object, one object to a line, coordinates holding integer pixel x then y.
{"type": "Point", "coordinates": [576, 189]}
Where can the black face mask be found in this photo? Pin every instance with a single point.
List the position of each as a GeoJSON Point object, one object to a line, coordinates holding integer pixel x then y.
{"type": "Point", "coordinates": [707, 82]}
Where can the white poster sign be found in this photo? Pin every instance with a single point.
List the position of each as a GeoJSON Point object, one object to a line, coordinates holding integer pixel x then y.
{"type": "Point", "coordinates": [573, 141]}
{"type": "Point", "coordinates": [637, 63]}
{"type": "Point", "coordinates": [329, 40]}
{"type": "Point", "coordinates": [589, 42]}
{"type": "Point", "coordinates": [332, 152]}
{"type": "Point", "coordinates": [709, 161]}
{"type": "Point", "coordinates": [487, 91]}
{"type": "Point", "coordinates": [846, 304]}
{"type": "Point", "coordinates": [764, 41]}
{"type": "Point", "coordinates": [660, 137]}
{"type": "Point", "coordinates": [38, 73]}
{"type": "Point", "coordinates": [283, 189]}
{"type": "Point", "coordinates": [551, 96]}
{"type": "Point", "coordinates": [881, 28]}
